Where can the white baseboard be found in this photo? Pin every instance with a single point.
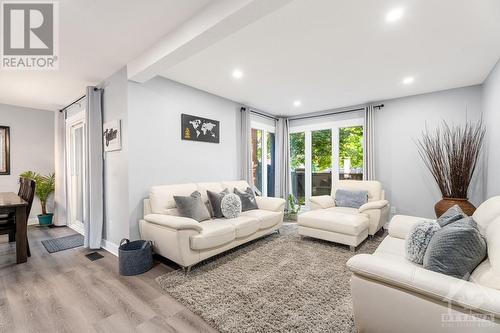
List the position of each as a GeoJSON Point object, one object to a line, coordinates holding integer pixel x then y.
{"type": "Point", "coordinates": [110, 247]}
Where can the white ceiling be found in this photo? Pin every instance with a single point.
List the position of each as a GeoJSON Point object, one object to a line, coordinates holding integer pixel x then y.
{"type": "Point", "coordinates": [333, 53]}
{"type": "Point", "coordinates": [96, 39]}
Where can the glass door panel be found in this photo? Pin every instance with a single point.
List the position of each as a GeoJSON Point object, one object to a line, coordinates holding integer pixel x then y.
{"type": "Point", "coordinates": [297, 165]}
{"type": "Point", "coordinates": [321, 162]}
{"type": "Point", "coordinates": [257, 142]}
{"type": "Point", "coordinates": [351, 153]}
{"type": "Point", "coordinates": [270, 164]}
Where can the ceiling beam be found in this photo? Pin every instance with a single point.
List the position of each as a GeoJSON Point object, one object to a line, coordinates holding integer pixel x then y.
{"type": "Point", "coordinates": [213, 23]}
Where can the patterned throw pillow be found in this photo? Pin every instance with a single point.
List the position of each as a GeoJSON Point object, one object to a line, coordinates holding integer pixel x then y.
{"type": "Point", "coordinates": [215, 200]}
{"type": "Point", "coordinates": [456, 249]}
{"type": "Point", "coordinates": [453, 214]}
{"type": "Point", "coordinates": [231, 206]}
{"type": "Point", "coordinates": [418, 239]}
{"type": "Point", "coordinates": [192, 207]}
{"type": "Point", "coordinates": [248, 201]}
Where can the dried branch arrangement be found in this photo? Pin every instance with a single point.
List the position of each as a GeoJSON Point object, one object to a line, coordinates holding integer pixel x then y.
{"type": "Point", "coordinates": [451, 154]}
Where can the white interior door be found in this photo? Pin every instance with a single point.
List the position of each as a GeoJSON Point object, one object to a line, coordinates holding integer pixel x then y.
{"type": "Point", "coordinates": [76, 164]}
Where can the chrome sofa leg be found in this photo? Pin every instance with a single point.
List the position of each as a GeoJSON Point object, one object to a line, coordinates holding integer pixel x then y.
{"type": "Point", "coordinates": [278, 231]}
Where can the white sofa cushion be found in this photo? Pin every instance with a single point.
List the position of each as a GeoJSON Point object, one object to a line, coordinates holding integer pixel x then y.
{"type": "Point", "coordinates": [214, 233]}
{"type": "Point", "coordinates": [334, 221]}
{"type": "Point", "coordinates": [244, 225]}
{"type": "Point", "coordinates": [485, 276]}
{"type": "Point", "coordinates": [204, 187]}
{"type": "Point", "coordinates": [321, 202]}
{"type": "Point", "coordinates": [486, 213]}
{"type": "Point", "coordinates": [162, 197]}
{"type": "Point", "coordinates": [239, 184]}
{"type": "Point", "coordinates": [345, 210]}
{"type": "Point", "coordinates": [373, 187]}
{"type": "Point", "coordinates": [267, 219]}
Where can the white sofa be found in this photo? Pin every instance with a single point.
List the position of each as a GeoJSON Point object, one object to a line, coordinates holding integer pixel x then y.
{"type": "Point", "coordinates": [186, 241]}
{"type": "Point", "coordinates": [391, 294]}
{"type": "Point", "coordinates": [349, 226]}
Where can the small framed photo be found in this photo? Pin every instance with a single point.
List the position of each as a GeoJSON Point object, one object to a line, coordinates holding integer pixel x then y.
{"type": "Point", "coordinates": [112, 135]}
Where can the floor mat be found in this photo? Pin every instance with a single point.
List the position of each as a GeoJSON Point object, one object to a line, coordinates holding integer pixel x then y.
{"type": "Point", "coordinates": [63, 243]}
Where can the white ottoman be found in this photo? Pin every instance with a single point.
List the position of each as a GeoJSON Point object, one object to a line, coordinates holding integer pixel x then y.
{"type": "Point", "coordinates": [343, 228]}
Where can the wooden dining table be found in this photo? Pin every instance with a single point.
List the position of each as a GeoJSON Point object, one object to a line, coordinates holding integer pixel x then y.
{"type": "Point", "coordinates": [12, 203]}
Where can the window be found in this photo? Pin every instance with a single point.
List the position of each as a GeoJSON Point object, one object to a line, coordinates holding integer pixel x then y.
{"type": "Point", "coordinates": [323, 153]}
{"type": "Point", "coordinates": [297, 164]}
{"type": "Point", "coordinates": [263, 159]}
{"type": "Point", "coordinates": [351, 153]}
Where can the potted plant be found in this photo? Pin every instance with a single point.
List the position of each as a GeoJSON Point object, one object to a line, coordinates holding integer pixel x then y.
{"type": "Point", "coordinates": [451, 154]}
{"type": "Point", "coordinates": [293, 208]}
{"type": "Point", "coordinates": [44, 187]}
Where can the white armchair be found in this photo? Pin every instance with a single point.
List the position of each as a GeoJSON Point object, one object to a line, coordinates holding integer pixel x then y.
{"type": "Point", "coordinates": [348, 226]}
{"type": "Point", "coordinates": [376, 209]}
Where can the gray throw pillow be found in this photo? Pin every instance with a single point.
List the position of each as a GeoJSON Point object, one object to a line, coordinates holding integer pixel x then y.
{"type": "Point", "coordinates": [456, 249]}
{"type": "Point", "coordinates": [231, 206]}
{"type": "Point", "coordinates": [418, 239]}
{"type": "Point", "coordinates": [215, 200]}
{"type": "Point", "coordinates": [453, 214]}
{"type": "Point", "coordinates": [247, 198]}
{"type": "Point", "coordinates": [352, 199]}
{"type": "Point", "coordinates": [192, 207]}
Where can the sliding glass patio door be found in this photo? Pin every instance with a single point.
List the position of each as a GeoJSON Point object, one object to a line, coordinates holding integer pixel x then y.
{"type": "Point", "coordinates": [322, 154]}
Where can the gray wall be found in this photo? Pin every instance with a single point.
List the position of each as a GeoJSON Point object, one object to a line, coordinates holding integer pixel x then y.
{"type": "Point", "coordinates": [157, 155]}
{"type": "Point", "coordinates": [409, 185]}
{"type": "Point", "coordinates": [31, 146]}
{"type": "Point", "coordinates": [116, 204]}
{"type": "Point", "coordinates": [491, 107]}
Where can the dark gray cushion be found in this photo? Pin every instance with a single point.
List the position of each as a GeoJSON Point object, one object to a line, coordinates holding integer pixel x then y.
{"type": "Point", "coordinates": [215, 200]}
{"type": "Point", "coordinates": [247, 198]}
{"type": "Point", "coordinates": [456, 249]}
{"type": "Point", "coordinates": [453, 214]}
{"type": "Point", "coordinates": [418, 239]}
{"type": "Point", "coordinates": [192, 207]}
{"type": "Point", "coordinates": [353, 199]}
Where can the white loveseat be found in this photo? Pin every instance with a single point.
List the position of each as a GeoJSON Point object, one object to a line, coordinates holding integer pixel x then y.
{"type": "Point", "coordinates": [186, 241]}
{"type": "Point", "coordinates": [349, 226]}
{"type": "Point", "coordinates": [392, 294]}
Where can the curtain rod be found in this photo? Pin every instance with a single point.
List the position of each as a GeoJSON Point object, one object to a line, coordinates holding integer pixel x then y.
{"type": "Point", "coordinates": [76, 101]}
{"type": "Point", "coordinates": [338, 112]}
{"type": "Point", "coordinates": [260, 113]}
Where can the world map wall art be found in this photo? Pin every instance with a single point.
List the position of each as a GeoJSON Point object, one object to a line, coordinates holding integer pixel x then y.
{"type": "Point", "coordinates": [199, 129]}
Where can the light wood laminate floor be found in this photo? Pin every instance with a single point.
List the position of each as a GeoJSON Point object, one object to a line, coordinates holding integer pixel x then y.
{"type": "Point", "coordinates": [66, 292]}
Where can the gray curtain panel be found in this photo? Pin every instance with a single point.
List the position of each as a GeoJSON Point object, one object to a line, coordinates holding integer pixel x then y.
{"type": "Point", "coordinates": [60, 210]}
{"type": "Point", "coordinates": [246, 146]}
{"type": "Point", "coordinates": [94, 202]}
{"type": "Point", "coordinates": [282, 158]}
{"type": "Point", "coordinates": [369, 144]}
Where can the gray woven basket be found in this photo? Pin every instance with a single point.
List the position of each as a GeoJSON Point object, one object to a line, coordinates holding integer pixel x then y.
{"type": "Point", "coordinates": [135, 257]}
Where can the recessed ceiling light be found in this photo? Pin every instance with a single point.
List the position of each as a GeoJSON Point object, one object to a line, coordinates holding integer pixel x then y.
{"type": "Point", "coordinates": [408, 80]}
{"type": "Point", "coordinates": [394, 15]}
{"type": "Point", "coordinates": [297, 103]}
{"type": "Point", "coordinates": [237, 74]}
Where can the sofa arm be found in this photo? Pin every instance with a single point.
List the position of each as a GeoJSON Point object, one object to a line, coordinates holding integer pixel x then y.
{"type": "Point", "coordinates": [400, 225]}
{"type": "Point", "coordinates": [416, 279]}
{"type": "Point", "coordinates": [272, 204]}
{"type": "Point", "coordinates": [322, 202]}
{"type": "Point", "coordinates": [174, 222]}
{"type": "Point", "coordinates": [378, 204]}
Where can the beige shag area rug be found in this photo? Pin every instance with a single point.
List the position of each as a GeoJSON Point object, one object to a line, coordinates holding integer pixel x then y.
{"type": "Point", "coordinates": [280, 283]}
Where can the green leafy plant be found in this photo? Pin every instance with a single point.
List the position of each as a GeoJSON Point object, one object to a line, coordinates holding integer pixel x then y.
{"type": "Point", "coordinates": [45, 186]}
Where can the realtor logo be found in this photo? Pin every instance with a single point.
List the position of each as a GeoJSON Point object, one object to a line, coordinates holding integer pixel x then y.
{"type": "Point", "coordinates": [30, 35]}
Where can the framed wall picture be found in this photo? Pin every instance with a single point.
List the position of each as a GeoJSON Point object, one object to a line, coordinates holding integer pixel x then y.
{"type": "Point", "coordinates": [112, 135]}
{"type": "Point", "coordinates": [4, 150]}
{"type": "Point", "coordinates": [194, 128]}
